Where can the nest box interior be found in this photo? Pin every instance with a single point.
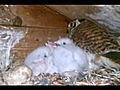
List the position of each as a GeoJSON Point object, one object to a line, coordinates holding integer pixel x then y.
{"type": "Point", "coordinates": [45, 23]}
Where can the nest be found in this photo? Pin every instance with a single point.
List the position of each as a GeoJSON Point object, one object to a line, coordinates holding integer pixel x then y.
{"type": "Point", "coordinates": [101, 76]}
{"type": "Point", "coordinates": [98, 77]}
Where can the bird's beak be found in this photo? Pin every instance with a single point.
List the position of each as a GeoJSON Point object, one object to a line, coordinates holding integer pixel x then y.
{"type": "Point", "coordinates": [53, 44]}
{"type": "Point", "coordinates": [67, 31]}
{"type": "Point", "coordinates": [56, 44]}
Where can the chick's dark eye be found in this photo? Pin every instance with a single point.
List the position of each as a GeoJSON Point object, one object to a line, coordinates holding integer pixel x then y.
{"type": "Point", "coordinates": [45, 55]}
{"type": "Point", "coordinates": [64, 43]}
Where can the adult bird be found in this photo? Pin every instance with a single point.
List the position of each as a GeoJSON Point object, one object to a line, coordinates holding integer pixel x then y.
{"type": "Point", "coordinates": [95, 39]}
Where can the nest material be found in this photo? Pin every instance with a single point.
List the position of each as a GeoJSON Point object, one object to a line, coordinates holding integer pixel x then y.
{"type": "Point", "coordinates": [101, 76]}
{"type": "Point", "coordinates": [98, 77]}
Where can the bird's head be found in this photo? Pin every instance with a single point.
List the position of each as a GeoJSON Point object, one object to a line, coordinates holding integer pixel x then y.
{"type": "Point", "coordinates": [63, 42]}
{"type": "Point", "coordinates": [43, 52]}
{"type": "Point", "coordinates": [73, 24]}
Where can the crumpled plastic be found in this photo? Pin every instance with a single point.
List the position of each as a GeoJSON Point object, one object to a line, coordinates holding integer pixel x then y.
{"type": "Point", "coordinates": [9, 37]}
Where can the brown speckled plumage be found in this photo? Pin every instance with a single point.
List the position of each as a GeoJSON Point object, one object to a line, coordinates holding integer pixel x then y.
{"type": "Point", "coordinates": [93, 37]}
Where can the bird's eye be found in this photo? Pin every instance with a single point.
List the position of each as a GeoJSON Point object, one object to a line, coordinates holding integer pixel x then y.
{"type": "Point", "coordinates": [45, 55]}
{"type": "Point", "coordinates": [64, 43]}
{"type": "Point", "coordinates": [73, 24]}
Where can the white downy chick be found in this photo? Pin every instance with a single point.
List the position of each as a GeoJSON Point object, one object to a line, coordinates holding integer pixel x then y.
{"type": "Point", "coordinates": [40, 61]}
{"type": "Point", "coordinates": [69, 57]}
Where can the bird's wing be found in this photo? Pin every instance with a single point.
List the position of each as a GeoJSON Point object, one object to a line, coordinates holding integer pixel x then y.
{"type": "Point", "coordinates": [108, 63]}
{"type": "Point", "coordinates": [115, 56]}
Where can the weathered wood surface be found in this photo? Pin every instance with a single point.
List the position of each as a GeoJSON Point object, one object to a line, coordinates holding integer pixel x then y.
{"type": "Point", "coordinates": [38, 16]}
{"type": "Point", "coordinates": [75, 11]}
{"type": "Point", "coordinates": [54, 16]}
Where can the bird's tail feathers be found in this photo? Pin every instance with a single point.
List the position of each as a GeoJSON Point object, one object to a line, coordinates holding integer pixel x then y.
{"type": "Point", "coordinates": [106, 62]}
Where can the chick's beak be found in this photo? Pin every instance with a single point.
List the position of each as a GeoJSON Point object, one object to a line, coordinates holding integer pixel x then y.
{"type": "Point", "coordinates": [53, 44]}
{"type": "Point", "coordinates": [56, 44]}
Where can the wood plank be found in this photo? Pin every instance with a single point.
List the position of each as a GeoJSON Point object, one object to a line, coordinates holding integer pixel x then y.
{"type": "Point", "coordinates": [36, 37]}
{"type": "Point", "coordinates": [38, 15]}
{"type": "Point", "coordinates": [75, 11]}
